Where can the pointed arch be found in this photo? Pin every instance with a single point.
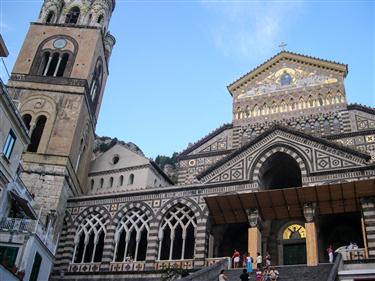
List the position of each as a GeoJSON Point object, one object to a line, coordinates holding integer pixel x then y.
{"type": "Point", "coordinates": [177, 233]}
{"type": "Point", "coordinates": [268, 152]}
{"type": "Point", "coordinates": [89, 239]}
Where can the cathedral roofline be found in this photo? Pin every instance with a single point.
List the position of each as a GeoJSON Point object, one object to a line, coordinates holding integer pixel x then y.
{"type": "Point", "coordinates": [364, 108]}
{"type": "Point", "coordinates": [206, 138]}
{"type": "Point", "coordinates": [291, 56]}
{"type": "Point", "coordinates": [288, 130]}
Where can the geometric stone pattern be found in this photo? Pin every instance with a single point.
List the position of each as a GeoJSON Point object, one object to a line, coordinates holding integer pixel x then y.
{"type": "Point", "coordinates": [311, 155]}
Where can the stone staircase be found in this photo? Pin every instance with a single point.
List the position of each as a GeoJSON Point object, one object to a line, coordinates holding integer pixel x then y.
{"type": "Point", "coordinates": [290, 273]}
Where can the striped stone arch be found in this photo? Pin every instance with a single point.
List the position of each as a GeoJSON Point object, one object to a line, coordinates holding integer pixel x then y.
{"type": "Point", "coordinates": [93, 209]}
{"type": "Point", "coordinates": [133, 205]}
{"type": "Point", "coordinates": [184, 201]}
{"type": "Point", "coordinates": [259, 161]}
{"type": "Point", "coordinates": [66, 244]}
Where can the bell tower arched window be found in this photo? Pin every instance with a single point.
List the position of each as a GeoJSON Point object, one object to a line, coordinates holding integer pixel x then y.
{"type": "Point", "coordinates": [26, 120]}
{"type": "Point", "coordinates": [54, 64]}
{"type": "Point", "coordinates": [37, 134]}
{"type": "Point", "coordinates": [72, 16]}
{"type": "Point", "coordinates": [96, 84]}
{"type": "Point", "coordinates": [50, 17]}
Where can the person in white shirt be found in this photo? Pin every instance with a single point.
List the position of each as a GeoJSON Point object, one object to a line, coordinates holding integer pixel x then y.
{"type": "Point", "coordinates": [259, 260]}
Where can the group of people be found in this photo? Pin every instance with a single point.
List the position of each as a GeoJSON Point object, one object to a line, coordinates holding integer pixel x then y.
{"type": "Point", "coordinates": [264, 271]}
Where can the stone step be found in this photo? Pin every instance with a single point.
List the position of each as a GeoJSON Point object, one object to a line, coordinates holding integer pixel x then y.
{"type": "Point", "coordinates": [290, 273]}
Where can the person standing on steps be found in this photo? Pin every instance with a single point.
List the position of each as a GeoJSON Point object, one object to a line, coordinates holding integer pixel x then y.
{"type": "Point", "coordinates": [222, 276]}
{"type": "Point", "coordinates": [249, 263]}
{"type": "Point", "coordinates": [244, 276]}
{"type": "Point", "coordinates": [259, 260]}
{"type": "Point", "coordinates": [268, 259]}
{"type": "Point", "coordinates": [330, 253]}
{"type": "Point", "coordinates": [236, 258]}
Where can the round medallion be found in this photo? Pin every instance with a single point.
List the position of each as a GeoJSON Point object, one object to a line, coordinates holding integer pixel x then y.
{"type": "Point", "coordinates": [59, 43]}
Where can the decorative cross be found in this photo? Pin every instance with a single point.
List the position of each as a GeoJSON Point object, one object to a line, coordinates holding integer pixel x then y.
{"type": "Point", "coordinates": [282, 46]}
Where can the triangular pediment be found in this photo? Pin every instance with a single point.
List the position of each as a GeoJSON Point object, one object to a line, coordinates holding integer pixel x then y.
{"type": "Point", "coordinates": [316, 155]}
{"type": "Point", "coordinates": [302, 70]}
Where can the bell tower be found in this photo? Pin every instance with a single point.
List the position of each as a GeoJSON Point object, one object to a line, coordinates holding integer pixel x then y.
{"type": "Point", "coordinates": [58, 81]}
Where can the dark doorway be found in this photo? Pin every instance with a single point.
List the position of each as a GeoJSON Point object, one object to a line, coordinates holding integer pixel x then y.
{"type": "Point", "coordinates": [339, 230]}
{"type": "Point", "coordinates": [294, 253]}
{"type": "Point", "coordinates": [234, 237]}
{"type": "Point", "coordinates": [37, 134]}
{"type": "Point", "coordinates": [280, 171]}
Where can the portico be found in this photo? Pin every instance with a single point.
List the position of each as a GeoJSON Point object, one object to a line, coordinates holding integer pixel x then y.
{"type": "Point", "coordinates": [299, 209]}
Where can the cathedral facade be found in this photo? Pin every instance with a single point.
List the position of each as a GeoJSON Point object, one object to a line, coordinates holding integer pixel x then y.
{"type": "Point", "coordinates": [291, 174]}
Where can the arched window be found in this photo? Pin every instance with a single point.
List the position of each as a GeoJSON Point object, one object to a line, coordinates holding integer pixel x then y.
{"type": "Point", "coordinates": [294, 231]}
{"type": "Point", "coordinates": [177, 234]}
{"type": "Point", "coordinates": [131, 179]}
{"type": "Point", "coordinates": [72, 16]}
{"type": "Point", "coordinates": [101, 182]}
{"type": "Point", "coordinates": [26, 120]}
{"type": "Point", "coordinates": [320, 101]}
{"type": "Point", "coordinates": [317, 127]}
{"type": "Point", "coordinates": [307, 127]}
{"type": "Point", "coordinates": [96, 84]}
{"type": "Point", "coordinates": [336, 126]}
{"type": "Point", "coordinates": [50, 17]}
{"type": "Point", "coordinates": [265, 109]}
{"type": "Point", "coordinates": [89, 240]}
{"type": "Point", "coordinates": [111, 182]}
{"type": "Point", "coordinates": [100, 19]}
{"type": "Point", "coordinates": [131, 236]}
{"type": "Point", "coordinates": [121, 180]}
{"type": "Point", "coordinates": [301, 104]}
{"type": "Point", "coordinates": [54, 64]}
{"type": "Point", "coordinates": [310, 102]}
{"type": "Point", "coordinates": [37, 134]}
{"type": "Point", "coordinates": [327, 127]}
{"type": "Point", "coordinates": [92, 182]}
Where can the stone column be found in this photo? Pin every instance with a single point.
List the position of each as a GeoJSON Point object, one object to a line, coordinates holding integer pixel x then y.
{"type": "Point", "coordinates": [311, 234]}
{"type": "Point", "coordinates": [254, 245]}
{"type": "Point", "coordinates": [368, 226]}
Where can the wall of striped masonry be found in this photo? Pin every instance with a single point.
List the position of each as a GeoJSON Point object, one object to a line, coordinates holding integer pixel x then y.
{"type": "Point", "coordinates": [368, 211]}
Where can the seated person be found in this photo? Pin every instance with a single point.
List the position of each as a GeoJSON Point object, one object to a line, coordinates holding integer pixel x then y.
{"type": "Point", "coordinates": [274, 273]}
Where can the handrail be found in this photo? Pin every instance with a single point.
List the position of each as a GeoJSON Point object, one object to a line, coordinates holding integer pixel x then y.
{"type": "Point", "coordinates": [334, 270]}
{"type": "Point", "coordinates": [31, 227]}
{"type": "Point", "coordinates": [208, 273]}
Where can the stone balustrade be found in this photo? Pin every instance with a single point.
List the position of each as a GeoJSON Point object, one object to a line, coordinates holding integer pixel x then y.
{"type": "Point", "coordinates": [28, 226]}
{"type": "Point", "coordinates": [127, 266]}
{"type": "Point", "coordinates": [85, 267]}
{"type": "Point", "coordinates": [183, 264]}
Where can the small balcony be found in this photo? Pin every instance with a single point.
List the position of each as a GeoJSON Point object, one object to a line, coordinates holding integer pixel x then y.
{"type": "Point", "coordinates": [28, 226]}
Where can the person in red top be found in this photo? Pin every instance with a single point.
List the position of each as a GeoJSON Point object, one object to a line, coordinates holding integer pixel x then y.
{"type": "Point", "coordinates": [236, 258]}
{"type": "Point", "coordinates": [330, 253]}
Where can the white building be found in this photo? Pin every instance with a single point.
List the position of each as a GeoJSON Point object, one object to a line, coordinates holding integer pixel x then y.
{"type": "Point", "coordinates": [26, 248]}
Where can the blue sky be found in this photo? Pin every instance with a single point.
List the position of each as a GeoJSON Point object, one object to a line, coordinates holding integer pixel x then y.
{"type": "Point", "coordinates": [173, 59]}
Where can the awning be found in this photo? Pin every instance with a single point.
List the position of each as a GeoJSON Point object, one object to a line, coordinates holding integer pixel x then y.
{"type": "Point", "coordinates": [288, 202]}
{"type": "Point", "coordinates": [22, 205]}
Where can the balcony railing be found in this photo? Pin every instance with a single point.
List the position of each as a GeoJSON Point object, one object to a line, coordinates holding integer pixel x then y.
{"type": "Point", "coordinates": [29, 226]}
{"type": "Point", "coordinates": [353, 254]}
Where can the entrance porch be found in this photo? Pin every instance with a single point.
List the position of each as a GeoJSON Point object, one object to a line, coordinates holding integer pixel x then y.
{"type": "Point", "coordinates": [295, 225]}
